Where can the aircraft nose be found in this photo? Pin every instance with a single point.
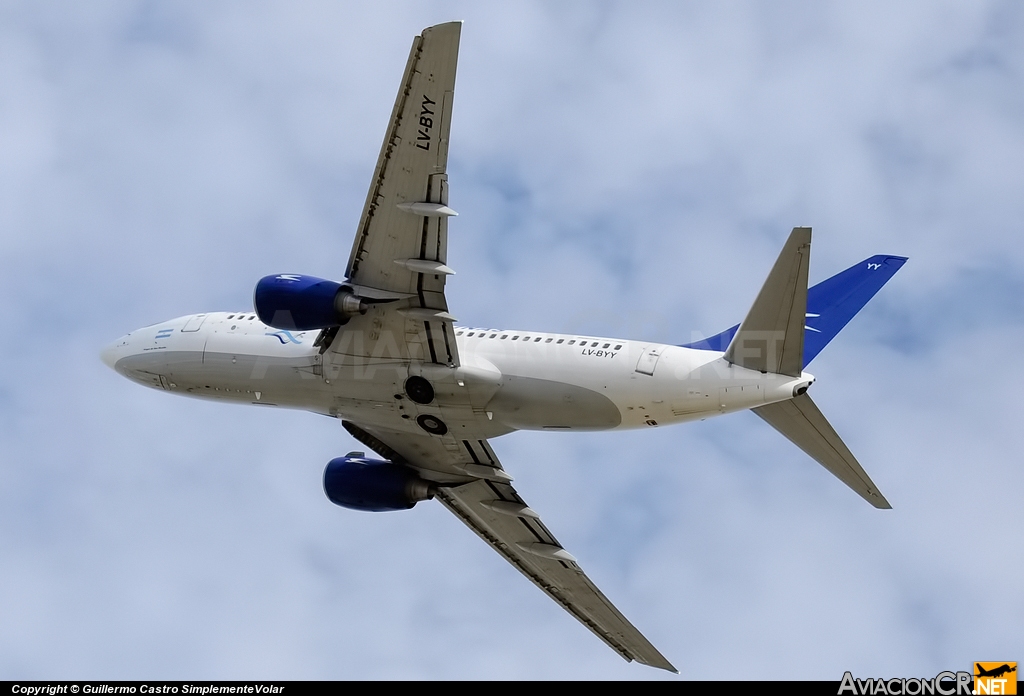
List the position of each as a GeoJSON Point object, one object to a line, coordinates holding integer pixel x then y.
{"type": "Point", "coordinates": [111, 353]}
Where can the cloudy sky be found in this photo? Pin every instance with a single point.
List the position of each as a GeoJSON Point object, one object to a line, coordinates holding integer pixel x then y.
{"type": "Point", "coordinates": [621, 169]}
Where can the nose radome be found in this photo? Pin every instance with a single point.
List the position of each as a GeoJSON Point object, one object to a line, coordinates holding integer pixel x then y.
{"type": "Point", "coordinates": [109, 354]}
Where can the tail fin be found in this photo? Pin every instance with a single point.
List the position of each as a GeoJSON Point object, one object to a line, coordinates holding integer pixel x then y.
{"type": "Point", "coordinates": [786, 327]}
{"type": "Point", "coordinates": [831, 305]}
{"type": "Point", "coordinates": [800, 421]}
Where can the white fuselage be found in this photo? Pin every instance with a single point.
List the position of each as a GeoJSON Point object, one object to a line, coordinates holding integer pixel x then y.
{"type": "Point", "coordinates": [516, 380]}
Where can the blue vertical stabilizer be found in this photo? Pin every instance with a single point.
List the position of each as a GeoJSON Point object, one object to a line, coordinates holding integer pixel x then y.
{"type": "Point", "coordinates": [831, 304]}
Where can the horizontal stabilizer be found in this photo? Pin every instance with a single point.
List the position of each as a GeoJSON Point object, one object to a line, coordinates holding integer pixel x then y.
{"type": "Point", "coordinates": [771, 338]}
{"type": "Point", "coordinates": [805, 426]}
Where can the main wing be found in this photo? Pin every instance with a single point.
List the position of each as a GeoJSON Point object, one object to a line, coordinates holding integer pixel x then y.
{"type": "Point", "coordinates": [399, 265]}
{"type": "Point", "coordinates": [400, 250]}
{"type": "Point", "coordinates": [489, 505]}
{"type": "Point", "coordinates": [501, 518]}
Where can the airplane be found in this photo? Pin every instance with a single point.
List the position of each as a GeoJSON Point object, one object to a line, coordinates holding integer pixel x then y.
{"type": "Point", "coordinates": [381, 352]}
{"type": "Point", "coordinates": [996, 671]}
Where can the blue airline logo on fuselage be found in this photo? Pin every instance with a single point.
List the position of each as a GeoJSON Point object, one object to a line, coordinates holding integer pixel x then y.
{"type": "Point", "coordinates": [282, 335]}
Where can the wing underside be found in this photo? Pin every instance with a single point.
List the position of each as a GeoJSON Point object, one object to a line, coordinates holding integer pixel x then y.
{"type": "Point", "coordinates": [478, 491]}
{"type": "Point", "coordinates": [501, 518]}
{"type": "Point", "coordinates": [399, 254]}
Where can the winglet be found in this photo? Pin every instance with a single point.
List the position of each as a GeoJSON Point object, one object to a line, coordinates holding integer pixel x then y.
{"type": "Point", "coordinates": [771, 338]}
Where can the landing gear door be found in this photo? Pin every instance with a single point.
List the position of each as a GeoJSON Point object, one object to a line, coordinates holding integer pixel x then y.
{"type": "Point", "coordinates": [649, 360]}
{"type": "Point", "coordinates": [193, 323]}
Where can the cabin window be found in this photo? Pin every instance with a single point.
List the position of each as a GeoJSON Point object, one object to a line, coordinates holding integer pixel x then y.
{"type": "Point", "coordinates": [618, 347]}
{"type": "Point", "coordinates": [538, 338]}
{"type": "Point", "coordinates": [559, 340]}
{"type": "Point", "coordinates": [515, 338]}
{"type": "Point", "coordinates": [606, 345]}
{"type": "Point", "coordinates": [549, 340]}
{"type": "Point", "coordinates": [231, 316]}
{"type": "Point", "coordinates": [572, 342]}
{"type": "Point", "coordinates": [594, 344]}
{"type": "Point", "coordinates": [504, 336]}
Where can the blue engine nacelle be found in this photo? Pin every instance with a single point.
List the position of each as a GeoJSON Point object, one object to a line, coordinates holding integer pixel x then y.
{"type": "Point", "coordinates": [298, 302]}
{"type": "Point", "coordinates": [355, 482]}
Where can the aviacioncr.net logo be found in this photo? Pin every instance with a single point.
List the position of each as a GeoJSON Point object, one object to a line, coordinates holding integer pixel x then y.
{"type": "Point", "coordinates": [942, 684]}
{"type": "Point", "coordinates": [995, 678]}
